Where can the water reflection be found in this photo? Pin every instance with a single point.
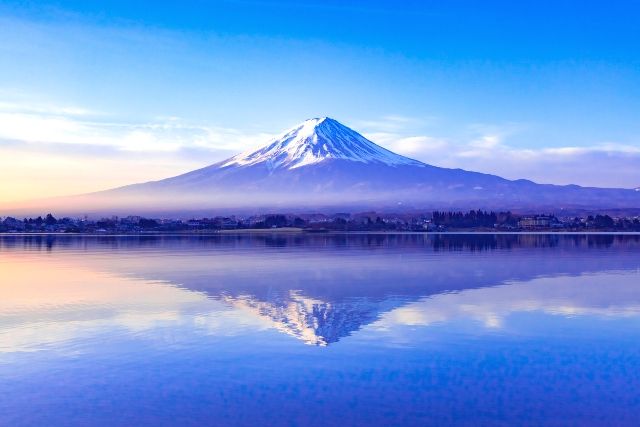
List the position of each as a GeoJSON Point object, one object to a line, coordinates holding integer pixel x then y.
{"type": "Point", "coordinates": [408, 330]}
{"type": "Point", "coordinates": [318, 289]}
{"type": "Point", "coordinates": [447, 242]}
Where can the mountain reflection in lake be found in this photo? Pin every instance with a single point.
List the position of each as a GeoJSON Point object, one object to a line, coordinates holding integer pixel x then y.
{"type": "Point", "coordinates": [320, 330]}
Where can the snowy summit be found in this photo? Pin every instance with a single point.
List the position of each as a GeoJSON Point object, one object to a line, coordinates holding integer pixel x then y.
{"type": "Point", "coordinates": [316, 140]}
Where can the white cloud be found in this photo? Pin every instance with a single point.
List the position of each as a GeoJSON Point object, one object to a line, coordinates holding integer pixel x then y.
{"type": "Point", "coordinates": [395, 123]}
{"type": "Point", "coordinates": [486, 148]}
{"type": "Point", "coordinates": [46, 109]}
{"type": "Point", "coordinates": [617, 166]}
{"type": "Point", "coordinates": [45, 124]}
{"type": "Point", "coordinates": [409, 145]}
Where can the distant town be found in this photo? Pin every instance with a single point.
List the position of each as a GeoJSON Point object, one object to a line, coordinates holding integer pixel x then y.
{"type": "Point", "coordinates": [340, 222]}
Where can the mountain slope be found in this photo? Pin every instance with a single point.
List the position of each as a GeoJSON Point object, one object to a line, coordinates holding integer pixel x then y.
{"type": "Point", "coordinates": [322, 163]}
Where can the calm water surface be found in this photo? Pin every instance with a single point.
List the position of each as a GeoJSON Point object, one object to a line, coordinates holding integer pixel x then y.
{"type": "Point", "coordinates": [361, 330]}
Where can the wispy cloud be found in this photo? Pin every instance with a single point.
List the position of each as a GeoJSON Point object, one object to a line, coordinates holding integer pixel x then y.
{"type": "Point", "coordinates": [489, 148]}
{"type": "Point", "coordinates": [77, 150]}
{"type": "Point", "coordinates": [493, 307]}
{"type": "Point", "coordinates": [47, 124]}
{"type": "Point", "coordinates": [396, 123]}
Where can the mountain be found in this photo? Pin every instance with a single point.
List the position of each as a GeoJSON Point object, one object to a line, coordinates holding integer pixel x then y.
{"type": "Point", "coordinates": [324, 164]}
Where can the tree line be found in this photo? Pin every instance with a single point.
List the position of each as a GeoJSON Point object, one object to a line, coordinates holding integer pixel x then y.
{"type": "Point", "coordinates": [477, 218]}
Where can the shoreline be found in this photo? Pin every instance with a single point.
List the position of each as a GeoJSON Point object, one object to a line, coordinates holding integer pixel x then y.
{"type": "Point", "coordinates": [321, 233]}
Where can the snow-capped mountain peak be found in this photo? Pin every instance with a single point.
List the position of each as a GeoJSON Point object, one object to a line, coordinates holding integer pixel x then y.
{"type": "Point", "coordinates": [321, 164]}
{"type": "Point", "coordinates": [316, 140]}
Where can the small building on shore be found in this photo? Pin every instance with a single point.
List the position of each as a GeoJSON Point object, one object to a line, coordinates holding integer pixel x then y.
{"type": "Point", "coordinates": [534, 222]}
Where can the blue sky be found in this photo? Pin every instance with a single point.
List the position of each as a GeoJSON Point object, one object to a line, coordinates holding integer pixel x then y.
{"type": "Point", "coordinates": [96, 94]}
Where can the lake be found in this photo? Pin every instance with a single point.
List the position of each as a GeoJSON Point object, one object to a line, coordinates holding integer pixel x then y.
{"type": "Point", "coordinates": [320, 330]}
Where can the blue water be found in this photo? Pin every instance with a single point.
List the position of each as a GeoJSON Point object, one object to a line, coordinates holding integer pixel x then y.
{"type": "Point", "coordinates": [320, 330]}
